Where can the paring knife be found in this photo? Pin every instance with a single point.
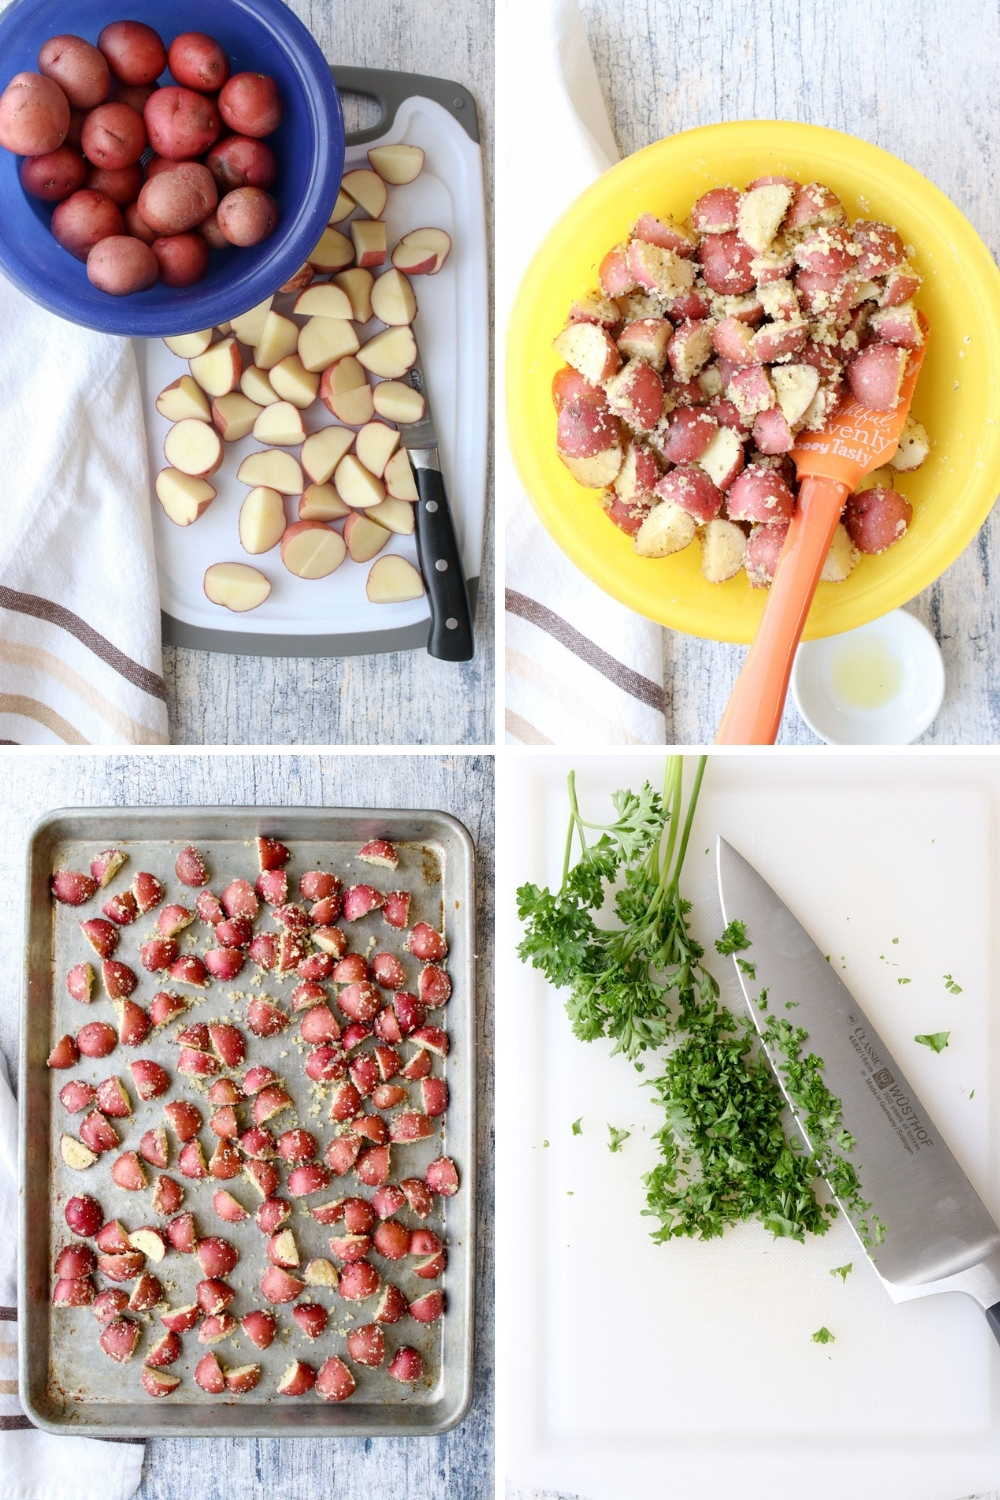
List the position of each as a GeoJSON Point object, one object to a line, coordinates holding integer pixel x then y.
{"type": "Point", "coordinates": [450, 636]}
{"type": "Point", "coordinates": [938, 1235]}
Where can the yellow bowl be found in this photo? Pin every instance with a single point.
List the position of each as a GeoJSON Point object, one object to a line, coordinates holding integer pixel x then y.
{"type": "Point", "coordinates": [957, 397]}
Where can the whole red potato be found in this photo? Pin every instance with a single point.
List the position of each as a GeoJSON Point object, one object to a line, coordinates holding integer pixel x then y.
{"type": "Point", "coordinates": [121, 184]}
{"type": "Point", "coordinates": [136, 226]}
{"type": "Point", "coordinates": [240, 161]}
{"type": "Point", "coordinates": [74, 135]}
{"type": "Point", "coordinates": [247, 215]}
{"type": "Point", "coordinates": [198, 61]}
{"type": "Point", "coordinates": [80, 70]}
{"type": "Point", "coordinates": [113, 136]}
{"type": "Point", "coordinates": [83, 220]}
{"type": "Point", "coordinates": [34, 115]}
{"type": "Point", "coordinates": [179, 199]}
{"type": "Point", "coordinates": [132, 94]}
{"type": "Point", "coordinates": [250, 104]}
{"type": "Point", "coordinates": [182, 258]}
{"type": "Point", "coordinates": [134, 52]}
{"type": "Point", "coordinates": [54, 176]}
{"type": "Point", "coordinates": [121, 265]}
{"type": "Point", "coordinates": [211, 233]}
{"type": "Point", "coordinates": [181, 124]}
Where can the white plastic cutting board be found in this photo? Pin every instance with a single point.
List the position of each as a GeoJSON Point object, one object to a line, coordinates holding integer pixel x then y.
{"type": "Point", "coordinates": [452, 332]}
{"type": "Point", "coordinates": [687, 1370]}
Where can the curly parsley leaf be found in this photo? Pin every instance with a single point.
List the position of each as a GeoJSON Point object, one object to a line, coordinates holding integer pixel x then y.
{"type": "Point", "coordinates": [823, 1336]}
{"type": "Point", "coordinates": [936, 1040]}
{"type": "Point", "coordinates": [734, 939]}
{"type": "Point", "coordinates": [617, 1138]}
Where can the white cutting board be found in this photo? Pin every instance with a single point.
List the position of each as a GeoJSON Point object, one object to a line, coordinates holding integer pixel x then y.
{"type": "Point", "coordinates": [687, 1369]}
{"type": "Point", "coordinates": [452, 332]}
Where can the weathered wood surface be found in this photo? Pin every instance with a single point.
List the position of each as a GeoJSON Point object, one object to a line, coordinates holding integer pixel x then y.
{"type": "Point", "coordinates": [460, 1463]}
{"type": "Point", "coordinates": [405, 698]}
{"type": "Point", "coordinates": [922, 81]}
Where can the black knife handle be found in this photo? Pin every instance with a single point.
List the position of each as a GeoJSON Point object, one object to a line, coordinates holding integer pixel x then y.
{"type": "Point", "coordinates": [450, 636]}
{"type": "Point", "coordinates": [993, 1319]}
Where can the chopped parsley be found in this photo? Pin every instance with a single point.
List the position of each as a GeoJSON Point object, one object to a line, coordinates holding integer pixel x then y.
{"type": "Point", "coordinates": [746, 967]}
{"type": "Point", "coordinates": [823, 1336]}
{"type": "Point", "coordinates": [936, 1040]}
{"type": "Point", "coordinates": [951, 986]}
{"type": "Point", "coordinates": [577, 1126]}
{"type": "Point", "coordinates": [843, 1271]}
{"type": "Point", "coordinates": [902, 981]}
{"type": "Point", "coordinates": [618, 1138]}
{"type": "Point", "coordinates": [734, 939]}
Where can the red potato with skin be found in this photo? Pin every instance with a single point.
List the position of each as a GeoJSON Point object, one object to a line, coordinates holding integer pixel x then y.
{"type": "Point", "coordinates": [772, 433]}
{"type": "Point", "coordinates": [636, 394]}
{"type": "Point", "coordinates": [54, 176]}
{"type": "Point", "coordinates": [715, 211]}
{"type": "Point", "coordinates": [80, 70]}
{"type": "Point", "coordinates": [875, 520]}
{"type": "Point", "coordinates": [875, 376]}
{"type": "Point", "coordinates": [240, 161]}
{"type": "Point", "coordinates": [615, 275]}
{"type": "Point", "coordinates": [132, 94]}
{"type": "Point", "coordinates": [247, 215]}
{"type": "Point", "coordinates": [80, 982]}
{"type": "Point", "coordinates": [689, 434]}
{"type": "Point", "coordinates": [134, 52]}
{"type": "Point", "coordinates": [726, 264]}
{"type": "Point", "coordinates": [34, 115]}
{"type": "Point", "coordinates": [180, 123]}
{"type": "Point", "coordinates": [198, 62]}
{"type": "Point", "coordinates": [569, 386]}
{"type": "Point", "coordinates": [136, 225]}
{"type": "Point", "coordinates": [182, 258]}
{"type": "Point", "coordinates": [179, 198]}
{"type": "Point", "coordinates": [113, 136]}
{"type": "Point", "coordinates": [760, 495]}
{"type": "Point", "coordinates": [762, 554]}
{"type": "Point", "coordinates": [250, 104]}
{"type": "Point", "coordinates": [83, 219]}
{"type": "Point", "coordinates": [121, 184]}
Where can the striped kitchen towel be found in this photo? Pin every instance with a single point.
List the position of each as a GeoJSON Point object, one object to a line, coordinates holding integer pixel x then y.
{"type": "Point", "coordinates": [581, 668]}
{"type": "Point", "coordinates": [80, 660]}
{"type": "Point", "coordinates": [35, 1465]}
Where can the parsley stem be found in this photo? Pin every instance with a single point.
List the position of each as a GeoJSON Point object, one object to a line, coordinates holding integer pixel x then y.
{"type": "Point", "coordinates": [692, 804]}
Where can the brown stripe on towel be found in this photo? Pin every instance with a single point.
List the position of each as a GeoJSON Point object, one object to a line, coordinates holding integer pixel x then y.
{"type": "Point", "coordinates": [31, 708]}
{"type": "Point", "coordinates": [525, 732]}
{"type": "Point", "coordinates": [8, 1314]}
{"type": "Point", "coordinates": [623, 677]}
{"type": "Point", "coordinates": [15, 1424]}
{"type": "Point", "coordinates": [55, 614]}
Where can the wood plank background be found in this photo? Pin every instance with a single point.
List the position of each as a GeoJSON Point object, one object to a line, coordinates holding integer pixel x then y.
{"type": "Point", "coordinates": [921, 80]}
{"type": "Point", "coordinates": [460, 1463]}
{"type": "Point", "coordinates": [407, 697]}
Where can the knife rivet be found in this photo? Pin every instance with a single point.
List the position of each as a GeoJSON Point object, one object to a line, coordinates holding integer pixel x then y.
{"type": "Point", "coordinates": [431, 506]}
{"type": "Point", "coordinates": [441, 565]}
{"type": "Point", "coordinates": [451, 624]}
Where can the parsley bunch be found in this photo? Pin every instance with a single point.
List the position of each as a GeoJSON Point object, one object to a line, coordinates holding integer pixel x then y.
{"type": "Point", "coordinates": [619, 979]}
{"type": "Point", "coordinates": [725, 1156]}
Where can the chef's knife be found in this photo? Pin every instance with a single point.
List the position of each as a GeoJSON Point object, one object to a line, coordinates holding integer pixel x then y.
{"type": "Point", "coordinates": [437, 545]}
{"type": "Point", "coordinates": [938, 1235]}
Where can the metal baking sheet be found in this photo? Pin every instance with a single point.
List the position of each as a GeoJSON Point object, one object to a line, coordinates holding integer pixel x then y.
{"type": "Point", "coordinates": [334, 617]}
{"type": "Point", "coordinates": [66, 1382]}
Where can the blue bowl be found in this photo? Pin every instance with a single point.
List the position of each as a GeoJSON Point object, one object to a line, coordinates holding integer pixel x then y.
{"type": "Point", "coordinates": [259, 36]}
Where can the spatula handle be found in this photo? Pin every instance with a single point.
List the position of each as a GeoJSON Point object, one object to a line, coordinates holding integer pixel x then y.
{"type": "Point", "coordinates": [753, 714]}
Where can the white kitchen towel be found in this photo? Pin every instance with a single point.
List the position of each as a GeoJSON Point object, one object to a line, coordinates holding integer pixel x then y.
{"type": "Point", "coordinates": [35, 1465]}
{"type": "Point", "coordinates": [80, 660]}
{"type": "Point", "coordinates": [581, 668]}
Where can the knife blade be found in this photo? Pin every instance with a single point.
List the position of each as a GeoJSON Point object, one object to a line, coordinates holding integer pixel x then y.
{"type": "Point", "coordinates": [939, 1235]}
{"type": "Point", "coordinates": [451, 636]}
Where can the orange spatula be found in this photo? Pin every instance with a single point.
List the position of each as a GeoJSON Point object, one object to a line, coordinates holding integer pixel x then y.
{"type": "Point", "coordinates": [830, 465]}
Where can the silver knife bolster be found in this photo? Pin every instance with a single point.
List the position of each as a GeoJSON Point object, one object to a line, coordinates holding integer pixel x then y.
{"type": "Point", "coordinates": [980, 1282]}
{"type": "Point", "coordinates": [424, 458]}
